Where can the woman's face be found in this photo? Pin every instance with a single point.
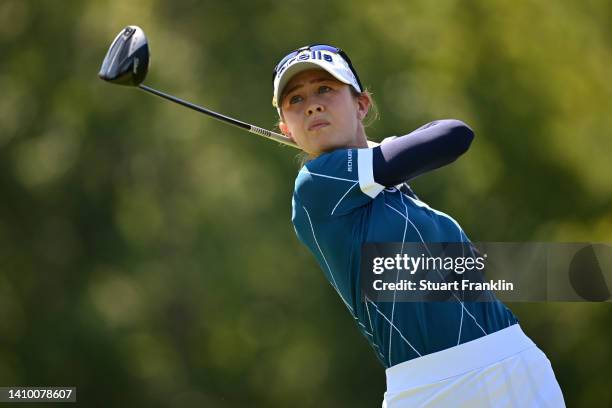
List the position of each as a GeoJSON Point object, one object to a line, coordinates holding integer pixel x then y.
{"type": "Point", "coordinates": [320, 113]}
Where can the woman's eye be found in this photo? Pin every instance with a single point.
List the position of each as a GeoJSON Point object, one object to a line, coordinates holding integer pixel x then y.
{"type": "Point", "coordinates": [324, 88]}
{"type": "Point", "coordinates": [295, 99]}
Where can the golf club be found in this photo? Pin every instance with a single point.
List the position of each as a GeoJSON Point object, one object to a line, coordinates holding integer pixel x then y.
{"type": "Point", "coordinates": [127, 63]}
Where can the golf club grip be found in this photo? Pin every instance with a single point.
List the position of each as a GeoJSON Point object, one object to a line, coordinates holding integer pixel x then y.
{"type": "Point", "coordinates": [253, 129]}
{"type": "Point", "coordinates": [273, 136]}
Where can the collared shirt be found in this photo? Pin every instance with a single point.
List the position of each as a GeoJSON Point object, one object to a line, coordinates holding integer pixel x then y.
{"type": "Point", "coordinates": [337, 207]}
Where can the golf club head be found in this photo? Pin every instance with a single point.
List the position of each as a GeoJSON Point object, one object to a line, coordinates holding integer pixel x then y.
{"type": "Point", "coordinates": [127, 59]}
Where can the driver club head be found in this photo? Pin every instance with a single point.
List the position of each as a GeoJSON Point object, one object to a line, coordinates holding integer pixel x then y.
{"type": "Point", "coordinates": [127, 59]}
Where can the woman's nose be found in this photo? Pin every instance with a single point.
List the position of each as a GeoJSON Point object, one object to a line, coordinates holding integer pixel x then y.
{"type": "Point", "coordinates": [314, 108]}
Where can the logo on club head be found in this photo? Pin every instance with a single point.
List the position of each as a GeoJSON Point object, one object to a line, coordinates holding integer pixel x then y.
{"type": "Point", "coordinates": [135, 68]}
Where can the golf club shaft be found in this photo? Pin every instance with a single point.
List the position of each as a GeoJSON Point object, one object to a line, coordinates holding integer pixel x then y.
{"type": "Point", "coordinates": [253, 129]}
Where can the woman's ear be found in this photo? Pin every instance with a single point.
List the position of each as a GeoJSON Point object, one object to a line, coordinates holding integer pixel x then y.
{"type": "Point", "coordinates": [285, 129]}
{"type": "Point", "coordinates": [363, 105]}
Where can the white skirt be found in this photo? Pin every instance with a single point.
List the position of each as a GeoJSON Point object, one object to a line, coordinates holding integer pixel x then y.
{"type": "Point", "coordinates": [502, 369]}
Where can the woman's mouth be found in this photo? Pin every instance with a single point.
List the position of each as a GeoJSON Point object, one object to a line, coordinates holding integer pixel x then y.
{"type": "Point", "coordinates": [318, 124]}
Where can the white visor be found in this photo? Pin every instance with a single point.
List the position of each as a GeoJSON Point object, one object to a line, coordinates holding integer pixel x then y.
{"type": "Point", "coordinates": [309, 59]}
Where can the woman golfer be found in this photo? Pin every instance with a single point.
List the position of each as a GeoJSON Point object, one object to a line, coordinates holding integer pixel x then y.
{"type": "Point", "coordinates": [436, 354]}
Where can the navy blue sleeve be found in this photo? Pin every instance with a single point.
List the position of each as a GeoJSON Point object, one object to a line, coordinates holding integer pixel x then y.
{"type": "Point", "coordinates": [427, 148]}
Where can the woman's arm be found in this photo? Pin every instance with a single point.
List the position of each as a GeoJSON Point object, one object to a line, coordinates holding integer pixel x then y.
{"type": "Point", "coordinates": [427, 148]}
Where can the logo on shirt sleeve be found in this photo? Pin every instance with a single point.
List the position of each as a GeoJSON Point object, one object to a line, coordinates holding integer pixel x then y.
{"type": "Point", "coordinates": [349, 161]}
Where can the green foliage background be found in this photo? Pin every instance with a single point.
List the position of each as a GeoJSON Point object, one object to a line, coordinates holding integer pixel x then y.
{"type": "Point", "coordinates": [146, 252]}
